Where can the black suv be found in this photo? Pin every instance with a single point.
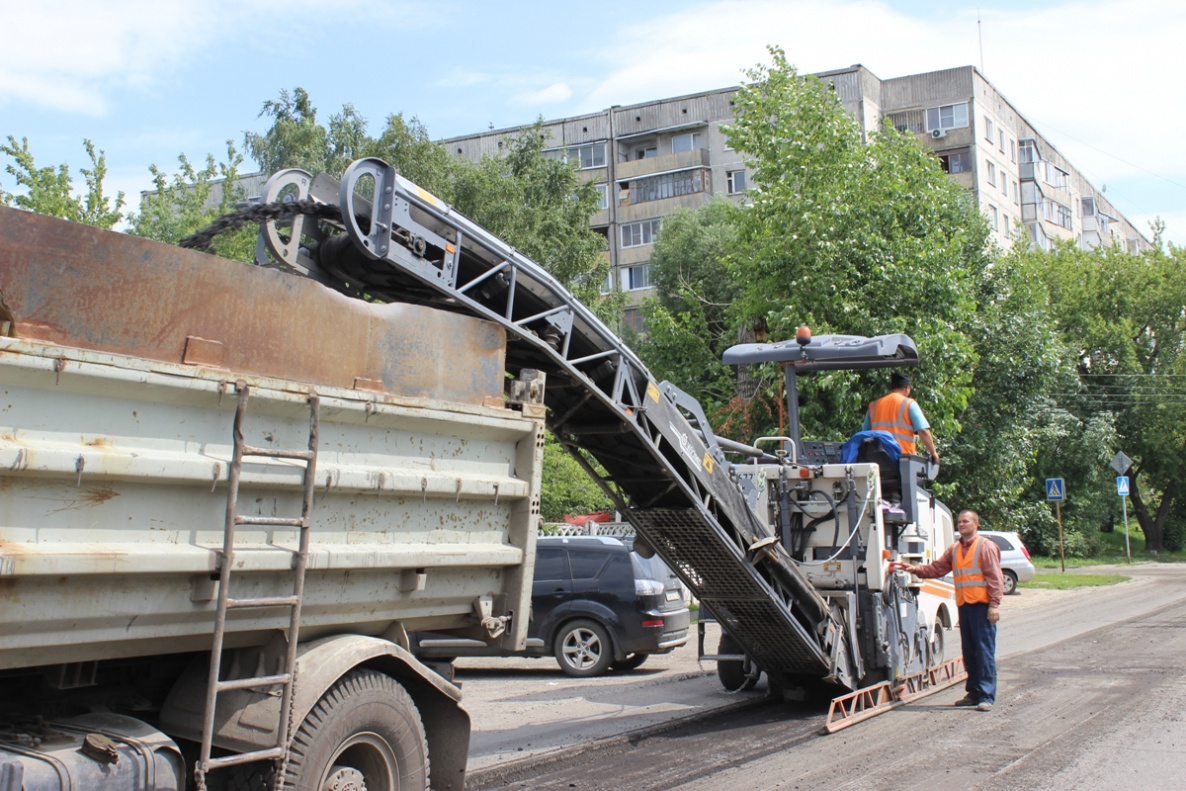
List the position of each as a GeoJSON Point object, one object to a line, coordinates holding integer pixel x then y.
{"type": "Point", "coordinates": [595, 605]}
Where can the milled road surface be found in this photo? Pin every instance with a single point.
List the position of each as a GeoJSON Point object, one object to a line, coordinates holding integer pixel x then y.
{"type": "Point", "coordinates": [1092, 696]}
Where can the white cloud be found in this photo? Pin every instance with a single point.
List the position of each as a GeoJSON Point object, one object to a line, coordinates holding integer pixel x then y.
{"type": "Point", "coordinates": [64, 54]}
{"type": "Point", "coordinates": [556, 92]}
{"type": "Point", "coordinates": [71, 54]}
{"type": "Point", "coordinates": [1092, 76]}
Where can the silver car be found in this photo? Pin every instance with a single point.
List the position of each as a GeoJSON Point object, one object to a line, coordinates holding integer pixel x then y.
{"type": "Point", "coordinates": [1015, 559]}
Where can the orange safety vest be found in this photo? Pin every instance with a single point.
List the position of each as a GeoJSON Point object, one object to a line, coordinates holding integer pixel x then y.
{"type": "Point", "coordinates": [892, 413]}
{"type": "Point", "coordinates": [970, 586]}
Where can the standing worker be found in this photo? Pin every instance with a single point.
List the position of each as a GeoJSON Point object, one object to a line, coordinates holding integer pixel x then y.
{"type": "Point", "coordinates": [975, 563]}
{"type": "Point", "coordinates": [900, 415]}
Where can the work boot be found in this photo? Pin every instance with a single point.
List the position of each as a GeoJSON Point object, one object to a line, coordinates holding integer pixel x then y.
{"type": "Point", "coordinates": [967, 700]}
{"type": "Point", "coordinates": [984, 705]}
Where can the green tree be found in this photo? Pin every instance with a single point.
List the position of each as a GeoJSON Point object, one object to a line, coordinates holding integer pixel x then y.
{"type": "Point", "coordinates": [50, 190]}
{"type": "Point", "coordinates": [567, 488]}
{"type": "Point", "coordinates": [854, 237]}
{"type": "Point", "coordinates": [1125, 317]}
{"type": "Point", "coordinates": [296, 140]}
{"type": "Point", "coordinates": [689, 322]}
{"type": "Point", "coordinates": [1011, 417]}
{"type": "Point", "coordinates": [190, 200]}
{"type": "Point", "coordinates": [539, 205]}
{"type": "Point", "coordinates": [406, 146]}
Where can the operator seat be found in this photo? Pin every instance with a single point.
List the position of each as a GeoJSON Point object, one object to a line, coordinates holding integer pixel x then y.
{"type": "Point", "coordinates": [871, 451]}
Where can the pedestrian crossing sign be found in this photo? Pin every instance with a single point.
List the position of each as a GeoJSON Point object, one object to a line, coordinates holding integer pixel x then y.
{"type": "Point", "coordinates": [1122, 486]}
{"type": "Point", "coordinates": [1056, 490]}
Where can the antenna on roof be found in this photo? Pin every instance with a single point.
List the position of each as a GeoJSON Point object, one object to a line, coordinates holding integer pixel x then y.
{"type": "Point", "coordinates": [980, 35]}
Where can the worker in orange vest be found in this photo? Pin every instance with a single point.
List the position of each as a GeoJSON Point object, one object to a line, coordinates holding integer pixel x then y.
{"type": "Point", "coordinates": [975, 566]}
{"type": "Point", "coordinates": [899, 414]}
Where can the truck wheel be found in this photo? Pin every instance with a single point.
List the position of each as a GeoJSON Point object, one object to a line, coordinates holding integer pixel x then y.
{"type": "Point", "coordinates": [365, 732]}
{"type": "Point", "coordinates": [631, 662]}
{"type": "Point", "coordinates": [1010, 582]}
{"type": "Point", "coordinates": [583, 648]}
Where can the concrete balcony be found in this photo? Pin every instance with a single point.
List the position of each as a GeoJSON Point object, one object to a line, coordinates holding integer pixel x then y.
{"type": "Point", "coordinates": [697, 157]}
{"type": "Point", "coordinates": [633, 212]}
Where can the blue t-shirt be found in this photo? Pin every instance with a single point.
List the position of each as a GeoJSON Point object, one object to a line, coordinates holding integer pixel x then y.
{"type": "Point", "coordinates": [916, 418]}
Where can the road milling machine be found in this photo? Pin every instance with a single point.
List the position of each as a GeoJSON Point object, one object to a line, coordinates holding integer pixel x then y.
{"type": "Point", "coordinates": [787, 546]}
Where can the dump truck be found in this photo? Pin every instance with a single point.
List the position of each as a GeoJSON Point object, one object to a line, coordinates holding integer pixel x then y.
{"type": "Point", "coordinates": [228, 493]}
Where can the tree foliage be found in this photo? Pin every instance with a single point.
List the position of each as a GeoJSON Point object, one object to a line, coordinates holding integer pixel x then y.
{"type": "Point", "coordinates": [847, 236]}
{"type": "Point", "coordinates": [1124, 316]}
{"type": "Point", "coordinates": [192, 199]}
{"type": "Point", "coordinates": [49, 190]}
{"type": "Point", "coordinates": [567, 488]}
{"type": "Point", "coordinates": [690, 324]}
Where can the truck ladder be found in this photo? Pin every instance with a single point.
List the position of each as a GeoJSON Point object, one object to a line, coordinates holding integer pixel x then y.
{"type": "Point", "coordinates": [665, 470]}
{"type": "Point", "coordinates": [285, 677]}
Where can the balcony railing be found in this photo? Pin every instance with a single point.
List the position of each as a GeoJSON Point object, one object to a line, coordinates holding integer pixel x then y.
{"type": "Point", "coordinates": [661, 164]}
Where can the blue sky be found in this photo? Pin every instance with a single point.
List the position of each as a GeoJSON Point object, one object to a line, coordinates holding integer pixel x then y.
{"type": "Point", "coordinates": [146, 80]}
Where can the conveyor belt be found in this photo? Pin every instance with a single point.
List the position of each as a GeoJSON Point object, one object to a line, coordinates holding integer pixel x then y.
{"type": "Point", "coordinates": [668, 477]}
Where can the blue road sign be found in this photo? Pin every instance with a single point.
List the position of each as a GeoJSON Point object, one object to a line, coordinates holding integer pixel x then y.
{"type": "Point", "coordinates": [1056, 490]}
{"type": "Point", "coordinates": [1122, 486]}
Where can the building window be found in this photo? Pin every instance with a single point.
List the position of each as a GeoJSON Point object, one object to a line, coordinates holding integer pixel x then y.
{"type": "Point", "coordinates": [607, 285]}
{"type": "Point", "coordinates": [1088, 207]}
{"type": "Point", "coordinates": [988, 129]}
{"type": "Point", "coordinates": [1013, 151]}
{"type": "Point", "coordinates": [949, 116]}
{"type": "Point", "coordinates": [636, 277]}
{"type": "Point", "coordinates": [1004, 184]}
{"type": "Point", "coordinates": [1001, 147]}
{"type": "Point", "coordinates": [1016, 194]}
{"type": "Point", "coordinates": [736, 181]}
{"type": "Point", "coordinates": [992, 174]}
{"type": "Point", "coordinates": [1056, 213]}
{"type": "Point", "coordinates": [636, 234]}
{"type": "Point", "coordinates": [602, 196]}
{"type": "Point", "coordinates": [632, 318]}
{"type": "Point", "coordinates": [592, 156]}
{"type": "Point", "coordinates": [956, 162]}
{"type": "Point", "coordinates": [668, 185]}
{"type": "Point", "coordinates": [688, 142]}
{"type": "Point", "coordinates": [1029, 151]}
{"type": "Point", "coordinates": [646, 152]}
{"type": "Point", "coordinates": [994, 217]}
{"type": "Point", "coordinates": [1055, 177]}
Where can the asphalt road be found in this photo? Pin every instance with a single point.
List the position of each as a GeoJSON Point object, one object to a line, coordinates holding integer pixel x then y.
{"type": "Point", "coordinates": [1092, 696]}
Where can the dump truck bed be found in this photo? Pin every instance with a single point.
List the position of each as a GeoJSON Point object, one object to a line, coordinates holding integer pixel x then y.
{"type": "Point", "coordinates": [116, 410]}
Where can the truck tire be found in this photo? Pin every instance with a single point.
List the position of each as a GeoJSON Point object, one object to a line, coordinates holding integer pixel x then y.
{"type": "Point", "coordinates": [364, 731]}
{"type": "Point", "coordinates": [583, 648]}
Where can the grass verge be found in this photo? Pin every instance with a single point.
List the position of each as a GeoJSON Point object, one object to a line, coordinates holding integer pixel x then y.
{"type": "Point", "coordinates": [1059, 581]}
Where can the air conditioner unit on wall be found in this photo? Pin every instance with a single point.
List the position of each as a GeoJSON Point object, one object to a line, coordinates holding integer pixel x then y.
{"type": "Point", "coordinates": [938, 133]}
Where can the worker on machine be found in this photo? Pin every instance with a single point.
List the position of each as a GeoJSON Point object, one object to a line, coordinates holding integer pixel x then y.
{"type": "Point", "coordinates": [898, 414]}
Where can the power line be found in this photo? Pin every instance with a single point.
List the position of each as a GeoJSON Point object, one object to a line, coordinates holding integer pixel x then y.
{"type": "Point", "coordinates": [1113, 156]}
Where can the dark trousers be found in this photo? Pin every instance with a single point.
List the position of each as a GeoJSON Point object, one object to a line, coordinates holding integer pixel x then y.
{"type": "Point", "coordinates": [979, 640]}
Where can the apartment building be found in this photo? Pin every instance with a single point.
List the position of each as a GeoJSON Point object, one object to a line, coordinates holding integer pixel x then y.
{"type": "Point", "coordinates": [649, 159]}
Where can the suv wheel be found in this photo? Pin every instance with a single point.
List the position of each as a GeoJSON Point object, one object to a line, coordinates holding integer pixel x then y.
{"type": "Point", "coordinates": [631, 662]}
{"type": "Point", "coordinates": [583, 648]}
{"type": "Point", "coordinates": [1010, 581]}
